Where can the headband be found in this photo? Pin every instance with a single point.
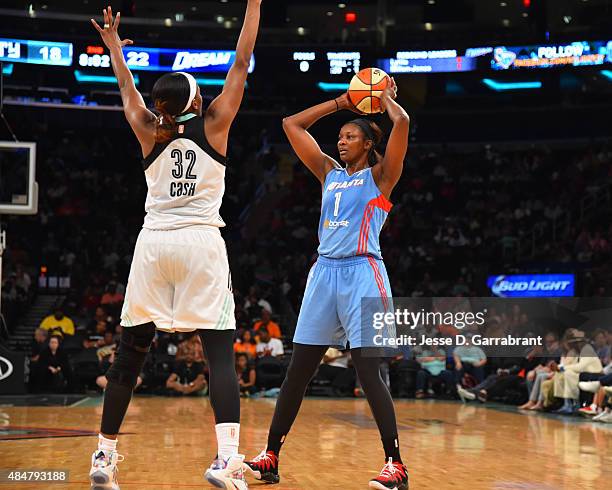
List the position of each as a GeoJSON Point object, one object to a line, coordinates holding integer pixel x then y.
{"type": "Point", "coordinates": [193, 85]}
{"type": "Point", "coordinates": [365, 127]}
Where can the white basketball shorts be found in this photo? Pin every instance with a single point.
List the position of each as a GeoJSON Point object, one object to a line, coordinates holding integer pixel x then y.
{"type": "Point", "coordinates": [180, 280]}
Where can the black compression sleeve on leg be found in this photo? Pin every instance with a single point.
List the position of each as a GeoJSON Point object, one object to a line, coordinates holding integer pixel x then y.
{"type": "Point", "coordinates": [123, 373]}
{"type": "Point", "coordinates": [380, 401]}
{"type": "Point", "coordinates": [223, 383]}
{"type": "Point", "coordinates": [304, 362]}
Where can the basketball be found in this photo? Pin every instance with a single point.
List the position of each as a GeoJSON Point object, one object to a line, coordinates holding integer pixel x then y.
{"type": "Point", "coordinates": [366, 88]}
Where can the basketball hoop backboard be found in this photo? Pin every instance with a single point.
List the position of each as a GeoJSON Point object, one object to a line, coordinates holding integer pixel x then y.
{"type": "Point", "coordinates": [18, 187]}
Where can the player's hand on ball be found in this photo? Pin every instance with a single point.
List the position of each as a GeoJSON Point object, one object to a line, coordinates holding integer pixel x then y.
{"type": "Point", "coordinates": [389, 93]}
{"type": "Point", "coordinates": [344, 102]}
{"type": "Point", "coordinates": [109, 33]}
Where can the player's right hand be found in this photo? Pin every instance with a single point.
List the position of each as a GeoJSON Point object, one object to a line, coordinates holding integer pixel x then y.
{"type": "Point", "coordinates": [109, 33]}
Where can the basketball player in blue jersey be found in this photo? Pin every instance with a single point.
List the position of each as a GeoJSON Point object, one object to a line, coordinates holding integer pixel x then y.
{"type": "Point", "coordinates": [355, 204]}
{"type": "Point", "coordinates": [179, 278]}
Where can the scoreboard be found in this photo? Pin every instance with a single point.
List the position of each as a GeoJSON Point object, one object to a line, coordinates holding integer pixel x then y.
{"type": "Point", "coordinates": [93, 62]}
{"type": "Point", "coordinates": [327, 62]}
{"type": "Point", "coordinates": [160, 59]}
{"type": "Point", "coordinates": [36, 52]}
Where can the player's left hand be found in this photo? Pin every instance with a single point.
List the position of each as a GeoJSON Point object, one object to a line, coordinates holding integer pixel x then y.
{"type": "Point", "coordinates": [344, 102]}
{"type": "Point", "coordinates": [109, 33]}
{"type": "Point", "coordinates": [389, 93]}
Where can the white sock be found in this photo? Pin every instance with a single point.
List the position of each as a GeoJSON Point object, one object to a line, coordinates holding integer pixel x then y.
{"type": "Point", "coordinates": [228, 438]}
{"type": "Point", "coordinates": [106, 445]}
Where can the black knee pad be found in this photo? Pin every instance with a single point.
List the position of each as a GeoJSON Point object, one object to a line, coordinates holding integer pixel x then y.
{"type": "Point", "coordinates": [133, 349]}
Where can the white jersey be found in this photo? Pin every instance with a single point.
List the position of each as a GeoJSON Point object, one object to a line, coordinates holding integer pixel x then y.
{"type": "Point", "coordinates": [185, 180]}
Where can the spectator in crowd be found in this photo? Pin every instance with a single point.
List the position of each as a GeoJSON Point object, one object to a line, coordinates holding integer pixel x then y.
{"type": "Point", "coordinates": [112, 297]}
{"type": "Point", "coordinates": [108, 345]}
{"type": "Point", "coordinates": [600, 343]}
{"type": "Point", "coordinates": [568, 356]}
{"type": "Point", "coordinates": [187, 378]}
{"type": "Point", "coordinates": [95, 338]}
{"type": "Point", "coordinates": [566, 383]}
{"type": "Point", "coordinates": [267, 346]}
{"type": "Point", "coordinates": [58, 321]}
{"type": "Point", "coordinates": [246, 375]}
{"type": "Point", "coordinates": [550, 354]}
{"type": "Point", "coordinates": [14, 299]}
{"type": "Point", "coordinates": [190, 348]}
{"type": "Point", "coordinates": [105, 364]}
{"type": "Point", "coordinates": [39, 343]}
{"type": "Point", "coordinates": [469, 359]}
{"type": "Point", "coordinates": [22, 278]}
{"type": "Point", "coordinates": [334, 368]}
{"type": "Point", "coordinates": [602, 388]}
{"type": "Point", "coordinates": [266, 321]}
{"type": "Point", "coordinates": [54, 368]}
{"type": "Point", "coordinates": [504, 384]}
{"type": "Point", "coordinates": [253, 301]}
{"type": "Point", "coordinates": [100, 315]}
{"type": "Point", "coordinates": [246, 344]}
{"type": "Point", "coordinates": [433, 364]}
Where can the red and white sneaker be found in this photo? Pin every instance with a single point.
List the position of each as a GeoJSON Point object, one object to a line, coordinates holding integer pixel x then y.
{"type": "Point", "coordinates": [394, 476]}
{"type": "Point", "coordinates": [590, 411]}
{"type": "Point", "coordinates": [264, 467]}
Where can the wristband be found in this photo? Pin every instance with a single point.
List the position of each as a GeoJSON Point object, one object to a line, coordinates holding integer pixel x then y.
{"type": "Point", "coordinates": [337, 106]}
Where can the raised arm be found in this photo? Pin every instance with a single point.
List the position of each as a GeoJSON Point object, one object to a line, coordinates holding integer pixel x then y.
{"type": "Point", "coordinates": [223, 109]}
{"type": "Point", "coordinates": [388, 172]}
{"type": "Point", "coordinates": [139, 117]}
{"type": "Point", "coordinates": [302, 142]}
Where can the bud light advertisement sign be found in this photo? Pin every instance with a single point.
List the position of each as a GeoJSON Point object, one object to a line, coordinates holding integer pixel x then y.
{"type": "Point", "coordinates": [532, 285]}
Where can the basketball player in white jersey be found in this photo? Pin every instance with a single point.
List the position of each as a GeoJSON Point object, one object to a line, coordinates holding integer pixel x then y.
{"type": "Point", "coordinates": [179, 279]}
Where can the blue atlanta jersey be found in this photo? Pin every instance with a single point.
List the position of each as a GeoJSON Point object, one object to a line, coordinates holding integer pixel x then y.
{"type": "Point", "coordinates": [353, 211]}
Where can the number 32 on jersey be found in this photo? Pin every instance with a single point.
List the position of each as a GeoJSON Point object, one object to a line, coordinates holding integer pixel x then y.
{"type": "Point", "coordinates": [183, 171]}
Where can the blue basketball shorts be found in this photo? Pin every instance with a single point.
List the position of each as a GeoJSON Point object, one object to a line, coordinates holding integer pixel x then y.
{"type": "Point", "coordinates": [341, 298]}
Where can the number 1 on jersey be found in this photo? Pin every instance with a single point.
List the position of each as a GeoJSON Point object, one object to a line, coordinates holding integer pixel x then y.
{"type": "Point", "coordinates": [337, 195]}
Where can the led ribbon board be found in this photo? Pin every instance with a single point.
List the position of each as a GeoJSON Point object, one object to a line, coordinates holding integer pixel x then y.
{"type": "Point", "coordinates": [532, 285]}
{"type": "Point", "coordinates": [439, 61]}
{"type": "Point", "coordinates": [36, 52]}
{"type": "Point", "coordinates": [581, 53]}
{"type": "Point", "coordinates": [163, 59]}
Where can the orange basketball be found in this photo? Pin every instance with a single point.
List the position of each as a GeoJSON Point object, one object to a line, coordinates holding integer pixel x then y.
{"type": "Point", "coordinates": [366, 88]}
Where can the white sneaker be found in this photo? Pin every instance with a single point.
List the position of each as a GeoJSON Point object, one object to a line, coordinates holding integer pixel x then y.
{"type": "Point", "coordinates": [589, 386]}
{"type": "Point", "coordinates": [103, 473]}
{"type": "Point", "coordinates": [227, 474]}
{"type": "Point", "coordinates": [465, 394]}
{"type": "Point", "coordinates": [606, 418]}
{"type": "Point", "coordinates": [599, 415]}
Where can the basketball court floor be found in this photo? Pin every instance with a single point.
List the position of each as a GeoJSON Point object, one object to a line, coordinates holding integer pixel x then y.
{"type": "Point", "coordinates": [168, 443]}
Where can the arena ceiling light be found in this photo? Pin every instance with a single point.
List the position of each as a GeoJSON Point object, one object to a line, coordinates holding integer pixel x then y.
{"type": "Point", "coordinates": [506, 86]}
{"type": "Point", "coordinates": [333, 87]}
{"type": "Point", "coordinates": [84, 78]}
{"type": "Point", "coordinates": [214, 82]}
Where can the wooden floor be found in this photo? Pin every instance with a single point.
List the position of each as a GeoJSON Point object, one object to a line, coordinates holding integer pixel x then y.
{"type": "Point", "coordinates": [168, 442]}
